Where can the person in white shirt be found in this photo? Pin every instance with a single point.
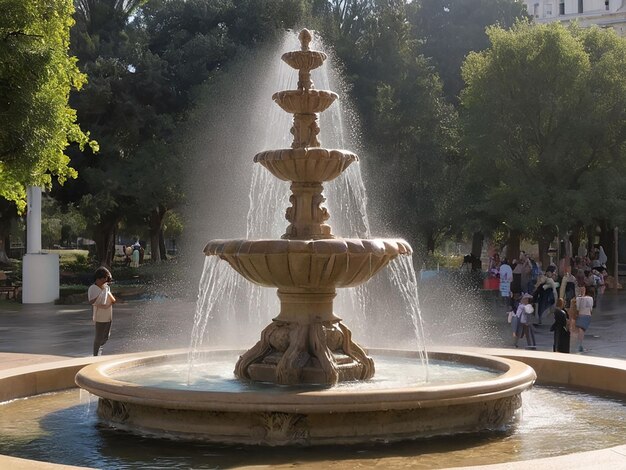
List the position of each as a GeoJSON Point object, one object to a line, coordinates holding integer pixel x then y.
{"type": "Point", "coordinates": [101, 300]}
{"type": "Point", "coordinates": [525, 324]}
{"type": "Point", "coordinates": [584, 305]}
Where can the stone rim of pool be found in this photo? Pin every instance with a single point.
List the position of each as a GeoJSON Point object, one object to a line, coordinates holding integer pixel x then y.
{"type": "Point", "coordinates": [595, 374]}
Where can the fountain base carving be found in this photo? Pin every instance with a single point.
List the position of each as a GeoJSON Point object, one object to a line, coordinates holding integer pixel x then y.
{"type": "Point", "coordinates": [295, 353]}
{"type": "Point", "coordinates": [305, 344]}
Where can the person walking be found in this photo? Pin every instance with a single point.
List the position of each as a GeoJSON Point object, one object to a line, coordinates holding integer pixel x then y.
{"type": "Point", "coordinates": [560, 328]}
{"type": "Point", "coordinates": [101, 300]}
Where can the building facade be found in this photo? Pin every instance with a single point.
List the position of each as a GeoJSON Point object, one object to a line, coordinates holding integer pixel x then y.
{"type": "Point", "coordinates": [604, 13]}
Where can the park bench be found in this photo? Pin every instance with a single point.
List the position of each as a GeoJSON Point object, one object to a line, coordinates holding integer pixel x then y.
{"type": "Point", "coordinates": [7, 289]}
{"type": "Point", "coordinates": [9, 292]}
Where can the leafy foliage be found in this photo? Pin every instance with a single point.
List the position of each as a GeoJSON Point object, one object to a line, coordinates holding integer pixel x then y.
{"type": "Point", "coordinates": [544, 119]}
{"type": "Point", "coordinates": [411, 130]}
{"type": "Point", "coordinates": [36, 76]}
{"type": "Point", "coordinates": [144, 60]}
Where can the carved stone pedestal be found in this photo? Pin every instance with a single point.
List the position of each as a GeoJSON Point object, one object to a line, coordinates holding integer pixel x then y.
{"type": "Point", "coordinates": [305, 344]}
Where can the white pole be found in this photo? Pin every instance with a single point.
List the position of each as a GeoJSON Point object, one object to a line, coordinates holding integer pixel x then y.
{"type": "Point", "coordinates": [40, 271]}
{"type": "Point", "coordinates": [33, 219]}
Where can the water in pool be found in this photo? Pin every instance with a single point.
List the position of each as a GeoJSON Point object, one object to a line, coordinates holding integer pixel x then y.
{"type": "Point", "coordinates": [63, 428]}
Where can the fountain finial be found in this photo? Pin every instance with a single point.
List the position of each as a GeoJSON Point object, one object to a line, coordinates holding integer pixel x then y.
{"type": "Point", "coordinates": [305, 37]}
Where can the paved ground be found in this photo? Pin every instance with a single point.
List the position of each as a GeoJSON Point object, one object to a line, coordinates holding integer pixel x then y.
{"type": "Point", "coordinates": [66, 330]}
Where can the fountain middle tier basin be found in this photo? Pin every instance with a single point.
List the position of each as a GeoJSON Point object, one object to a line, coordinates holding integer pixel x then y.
{"type": "Point", "coordinates": [308, 264]}
{"type": "Point", "coordinates": [304, 101]}
{"type": "Point", "coordinates": [304, 165]}
{"type": "Point", "coordinates": [307, 60]}
{"type": "Point", "coordinates": [264, 414]}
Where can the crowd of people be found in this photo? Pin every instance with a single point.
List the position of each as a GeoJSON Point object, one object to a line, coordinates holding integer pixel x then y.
{"type": "Point", "coordinates": [565, 293]}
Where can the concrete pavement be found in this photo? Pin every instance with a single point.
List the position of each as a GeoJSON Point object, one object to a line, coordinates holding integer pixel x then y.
{"type": "Point", "coordinates": [67, 330]}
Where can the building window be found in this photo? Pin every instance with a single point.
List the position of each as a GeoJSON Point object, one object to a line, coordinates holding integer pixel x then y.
{"type": "Point", "coordinates": [606, 5]}
{"type": "Point", "coordinates": [561, 8]}
{"type": "Point", "coordinates": [536, 10]}
{"type": "Point", "coordinates": [547, 9]}
{"type": "Point", "coordinates": [580, 6]}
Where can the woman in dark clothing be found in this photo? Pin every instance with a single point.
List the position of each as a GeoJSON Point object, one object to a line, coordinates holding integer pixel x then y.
{"type": "Point", "coordinates": [561, 332]}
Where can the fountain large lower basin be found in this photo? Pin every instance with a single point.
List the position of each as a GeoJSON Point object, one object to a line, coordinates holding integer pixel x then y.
{"type": "Point", "coordinates": [571, 371]}
{"type": "Point", "coordinates": [312, 416]}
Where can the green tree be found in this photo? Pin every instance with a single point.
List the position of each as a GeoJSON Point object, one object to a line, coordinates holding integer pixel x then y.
{"type": "Point", "coordinates": [144, 61]}
{"type": "Point", "coordinates": [409, 128]}
{"type": "Point", "coordinates": [36, 77]}
{"type": "Point", "coordinates": [544, 121]}
{"type": "Point", "coordinates": [102, 43]}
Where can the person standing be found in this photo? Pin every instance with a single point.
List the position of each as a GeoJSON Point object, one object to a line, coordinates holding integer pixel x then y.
{"type": "Point", "coordinates": [514, 319]}
{"type": "Point", "coordinates": [560, 328]}
{"type": "Point", "coordinates": [545, 294]}
{"type": "Point", "coordinates": [524, 314]}
{"type": "Point", "coordinates": [568, 287]}
{"type": "Point", "coordinates": [584, 304]}
{"type": "Point", "coordinates": [136, 255]}
{"type": "Point", "coordinates": [506, 276]}
{"type": "Point", "coordinates": [101, 300]}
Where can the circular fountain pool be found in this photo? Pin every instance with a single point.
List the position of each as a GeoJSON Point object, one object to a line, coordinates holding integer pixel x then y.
{"type": "Point", "coordinates": [63, 428]}
{"type": "Point", "coordinates": [398, 404]}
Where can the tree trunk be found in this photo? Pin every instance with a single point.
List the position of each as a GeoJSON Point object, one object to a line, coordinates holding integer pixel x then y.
{"type": "Point", "coordinates": [591, 237]}
{"type": "Point", "coordinates": [477, 244]}
{"type": "Point", "coordinates": [156, 226]}
{"type": "Point", "coordinates": [4, 258]}
{"type": "Point", "coordinates": [575, 239]}
{"type": "Point", "coordinates": [477, 250]}
{"type": "Point", "coordinates": [546, 235]}
{"type": "Point", "coordinates": [104, 236]}
{"type": "Point", "coordinates": [430, 243]}
{"type": "Point", "coordinates": [162, 247]}
{"type": "Point", "coordinates": [513, 245]}
{"type": "Point", "coordinates": [543, 245]}
{"type": "Point", "coordinates": [8, 212]}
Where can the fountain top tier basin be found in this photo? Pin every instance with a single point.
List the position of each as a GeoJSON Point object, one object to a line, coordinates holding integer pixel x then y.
{"type": "Point", "coordinates": [304, 60]}
{"type": "Point", "coordinates": [308, 264]}
{"type": "Point", "coordinates": [309, 416]}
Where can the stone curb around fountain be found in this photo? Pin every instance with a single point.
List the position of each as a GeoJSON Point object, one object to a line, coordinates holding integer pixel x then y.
{"type": "Point", "coordinates": [583, 372]}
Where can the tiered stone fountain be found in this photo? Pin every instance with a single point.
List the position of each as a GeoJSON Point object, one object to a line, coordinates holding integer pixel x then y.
{"type": "Point", "coordinates": [306, 343]}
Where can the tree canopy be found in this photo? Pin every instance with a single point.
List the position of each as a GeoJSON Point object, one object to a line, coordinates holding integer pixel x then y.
{"type": "Point", "coordinates": [523, 148]}
{"type": "Point", "coordinates": [144, 61]}
{"type": "Point", "coordinates": [544, 121]}
{"type": "Point", "coordinates": [36, 77]}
